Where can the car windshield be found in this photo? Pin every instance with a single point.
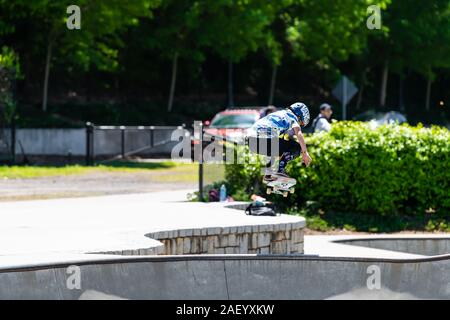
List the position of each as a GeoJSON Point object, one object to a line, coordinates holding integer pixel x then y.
{"type": "Point", "coordinates": [380, 117]}
{"type": "Point", "coordinates": [244, 120]}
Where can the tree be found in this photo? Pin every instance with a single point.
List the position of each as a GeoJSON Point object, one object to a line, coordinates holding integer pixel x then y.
{"type": "Point", "coordinates": [275, 44]}
{"type": "Point", "coordinates": [233, 28]}
{"type": "Point", "coordinates": [427, 38]}
{"type": "Point", "coordinates": [418, 40]}
{"type": "Point", "coordinates": [9, 72]}
{"type": "Point", "coordinates": [174, 32]}
{"type": "Point", "coordinates": [328, 32]}
{"type": "Point", "coordinates": [100, 21]}
{"type": "Point", "coordinates": [275, 53]}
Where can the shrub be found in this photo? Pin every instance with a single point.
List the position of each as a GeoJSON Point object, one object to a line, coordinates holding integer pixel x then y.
{"type": "Point", "coordinates": [388, 170]}
{"type": "Point", "coordinates": [243, 177]}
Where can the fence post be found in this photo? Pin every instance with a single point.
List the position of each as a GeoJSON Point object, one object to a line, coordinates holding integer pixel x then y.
{"type": "Point", "coordinates": [198, 149]}
{"type": "Point", "coordinates": [122, 133]}
{"type": "Point", "coordinates": [152, 136]}
{"type": "Point", "coordinates": [200, 182]}
{"type": "Point", "coordinates": [13, 141]}
{"type": "Point", "coordinates": [89, 143]}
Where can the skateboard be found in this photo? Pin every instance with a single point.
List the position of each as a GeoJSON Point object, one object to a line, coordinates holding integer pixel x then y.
{"type": "Point", "coordinates": [281, 186]}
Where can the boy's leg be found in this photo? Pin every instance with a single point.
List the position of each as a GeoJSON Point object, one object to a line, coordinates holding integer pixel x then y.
{"type": "Point", "coordinates": [267, 147]}
{"type": "Point", "coordinates": [289, 149]}
{"type": "Point", "coordinates": [261, 146]}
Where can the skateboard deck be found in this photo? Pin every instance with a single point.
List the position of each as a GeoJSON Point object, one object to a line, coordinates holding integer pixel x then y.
{"type": "Point", "coordinates": [282, 186]}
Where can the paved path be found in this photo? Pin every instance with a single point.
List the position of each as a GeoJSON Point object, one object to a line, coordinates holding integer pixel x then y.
{"type": "Point", "coordinates": [338, 246]}
{"type": "Point", "coordinates": [91, 184]}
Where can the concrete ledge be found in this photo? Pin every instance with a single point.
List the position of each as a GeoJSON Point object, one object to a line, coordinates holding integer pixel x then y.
{"type": "Point", "coordinates": [159, 223]}
{"type": "Point", "coordinates": [281, 234]}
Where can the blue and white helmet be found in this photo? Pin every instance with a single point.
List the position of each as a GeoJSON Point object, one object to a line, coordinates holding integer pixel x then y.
{"type": "Point", "coordinates": [301, 111]}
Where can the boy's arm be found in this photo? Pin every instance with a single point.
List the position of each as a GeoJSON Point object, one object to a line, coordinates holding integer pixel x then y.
{"type": "Point", "coordinates": [305, 156]}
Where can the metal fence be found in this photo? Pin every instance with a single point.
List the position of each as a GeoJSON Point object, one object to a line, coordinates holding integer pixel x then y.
{"type": "Point", "coordinates": [107, 143]}
{"type": "Point", "coordinates": [211, 173]}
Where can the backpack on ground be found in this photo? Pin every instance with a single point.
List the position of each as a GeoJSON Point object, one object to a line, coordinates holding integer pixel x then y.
{"type": "Point", "coordinates": [258, 210]}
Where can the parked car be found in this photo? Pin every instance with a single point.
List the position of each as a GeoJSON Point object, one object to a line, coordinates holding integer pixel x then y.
{"type": "Point", "coordinates": [379, 118]}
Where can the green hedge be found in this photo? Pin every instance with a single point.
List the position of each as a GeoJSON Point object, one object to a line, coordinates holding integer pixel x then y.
{"type": "Point", "coordinates": [388, 170]}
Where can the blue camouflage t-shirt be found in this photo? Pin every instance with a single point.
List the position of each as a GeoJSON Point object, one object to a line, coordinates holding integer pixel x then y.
{"type": "Point", "coordinates": [274, 124]}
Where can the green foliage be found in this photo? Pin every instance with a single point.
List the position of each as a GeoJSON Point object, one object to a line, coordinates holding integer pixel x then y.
{"type": "Point", "coordinates": [37, 171]}
{"type": "Point", "coordinates": [388, 170]}
{"type": "Point", "coordinates": [233, 28]}
{"type": "Point", "coordinates": [123, 47]}
{"type": "Point", "coordinates": [75, 115]}
{"type": "Point", "coordinates": [9, 108]}
{"type": "Point", "coordinates": [174, 30]}
{"type": "Point", "coordinates": [94, 44]}
{"type": "Point", "coordinates": [9, 72]}
{"type": "Point", "coordinates": [359, 222]}
{"type": "Point", "coordinates": [416, 29]}
{"type": "Point", "coordinates": [10, 60]}
{"type": "Point", "coordinates": [324, 36]}
{"type": "Point", "coordinates": [244, 176]}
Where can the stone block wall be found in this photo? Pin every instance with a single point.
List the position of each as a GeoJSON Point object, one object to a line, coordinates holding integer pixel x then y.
{"type": "Point", "coordinates": [282, 238]}
{"type": "Point", "coordinates": [262, 239]}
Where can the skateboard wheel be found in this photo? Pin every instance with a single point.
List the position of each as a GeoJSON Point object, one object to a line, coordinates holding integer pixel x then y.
{"type": "Point", "coordinates": [285, 194]}
{"type": "Point", "coordinates": [268, 191]}
{"type": "Point", "coordinates": [292, 190]}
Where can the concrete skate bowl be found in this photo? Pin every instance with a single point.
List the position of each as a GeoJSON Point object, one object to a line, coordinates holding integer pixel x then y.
{"type": "Point", "coordinates": [232, 277]}
{"type": "Point", "coordinates": [421, 246]}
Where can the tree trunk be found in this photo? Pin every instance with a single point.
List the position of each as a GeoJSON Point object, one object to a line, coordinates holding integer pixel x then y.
{"type": "Point", "coordinates": [173, 82]}
{"type": "Point", "coordinates": [47, 74]}
{"type": "Point", "coordinates": [230, 83]}
{"type": "Point", "coordinates": [362, 83]}
{"type": "Point", "coordinates": [384, 81]}
{"type": "Point", "coordinates": [272, 84]}
{"type": "Point", "coordinates": [360, 95]}
{"type": "Point", "coordinates": [427, 103]}
{"type": "Point", "coordinates": [401, 100]}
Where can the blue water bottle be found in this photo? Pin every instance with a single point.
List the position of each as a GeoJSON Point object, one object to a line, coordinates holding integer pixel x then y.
{"type": "Point", "coordinates": [223, 193]}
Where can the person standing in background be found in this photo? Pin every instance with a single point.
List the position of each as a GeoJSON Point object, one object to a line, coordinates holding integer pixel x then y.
{"type": "Point", "coordinates": [268, 110]}
{"type": "Point", "coordinates": [322, 121]}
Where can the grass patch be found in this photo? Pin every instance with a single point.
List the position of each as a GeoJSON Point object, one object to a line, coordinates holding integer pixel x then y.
{"type": "Point", "coordinates": [139, 165]}
{"type": "Point", "coordinates": [48, 196]}
{"type": "Point", "coordinates": [27, 172]}
{"type": "Point", "coordinates": [180, 173]}
{"type": "Point", "coordinates": [213, 172]}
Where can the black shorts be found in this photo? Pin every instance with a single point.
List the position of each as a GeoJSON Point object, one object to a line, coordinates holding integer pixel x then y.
{"type": "Point", "coordinates": [263, 146]}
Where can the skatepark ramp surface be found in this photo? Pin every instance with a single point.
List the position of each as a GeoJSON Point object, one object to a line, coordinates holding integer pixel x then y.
{"type": "Point", "coordinates": [231, 277]}
{"type": "Point", "coordinates": [414, 245]}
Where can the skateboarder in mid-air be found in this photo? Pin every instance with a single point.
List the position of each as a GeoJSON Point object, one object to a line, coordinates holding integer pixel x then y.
{"type": "Point", "coordinates": [277, 131]}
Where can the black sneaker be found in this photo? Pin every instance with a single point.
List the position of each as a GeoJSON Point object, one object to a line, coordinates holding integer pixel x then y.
{"type": "Point", "coordinates": [280, 175]}
{"type": "Point", "coordinates": [268, 178]}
